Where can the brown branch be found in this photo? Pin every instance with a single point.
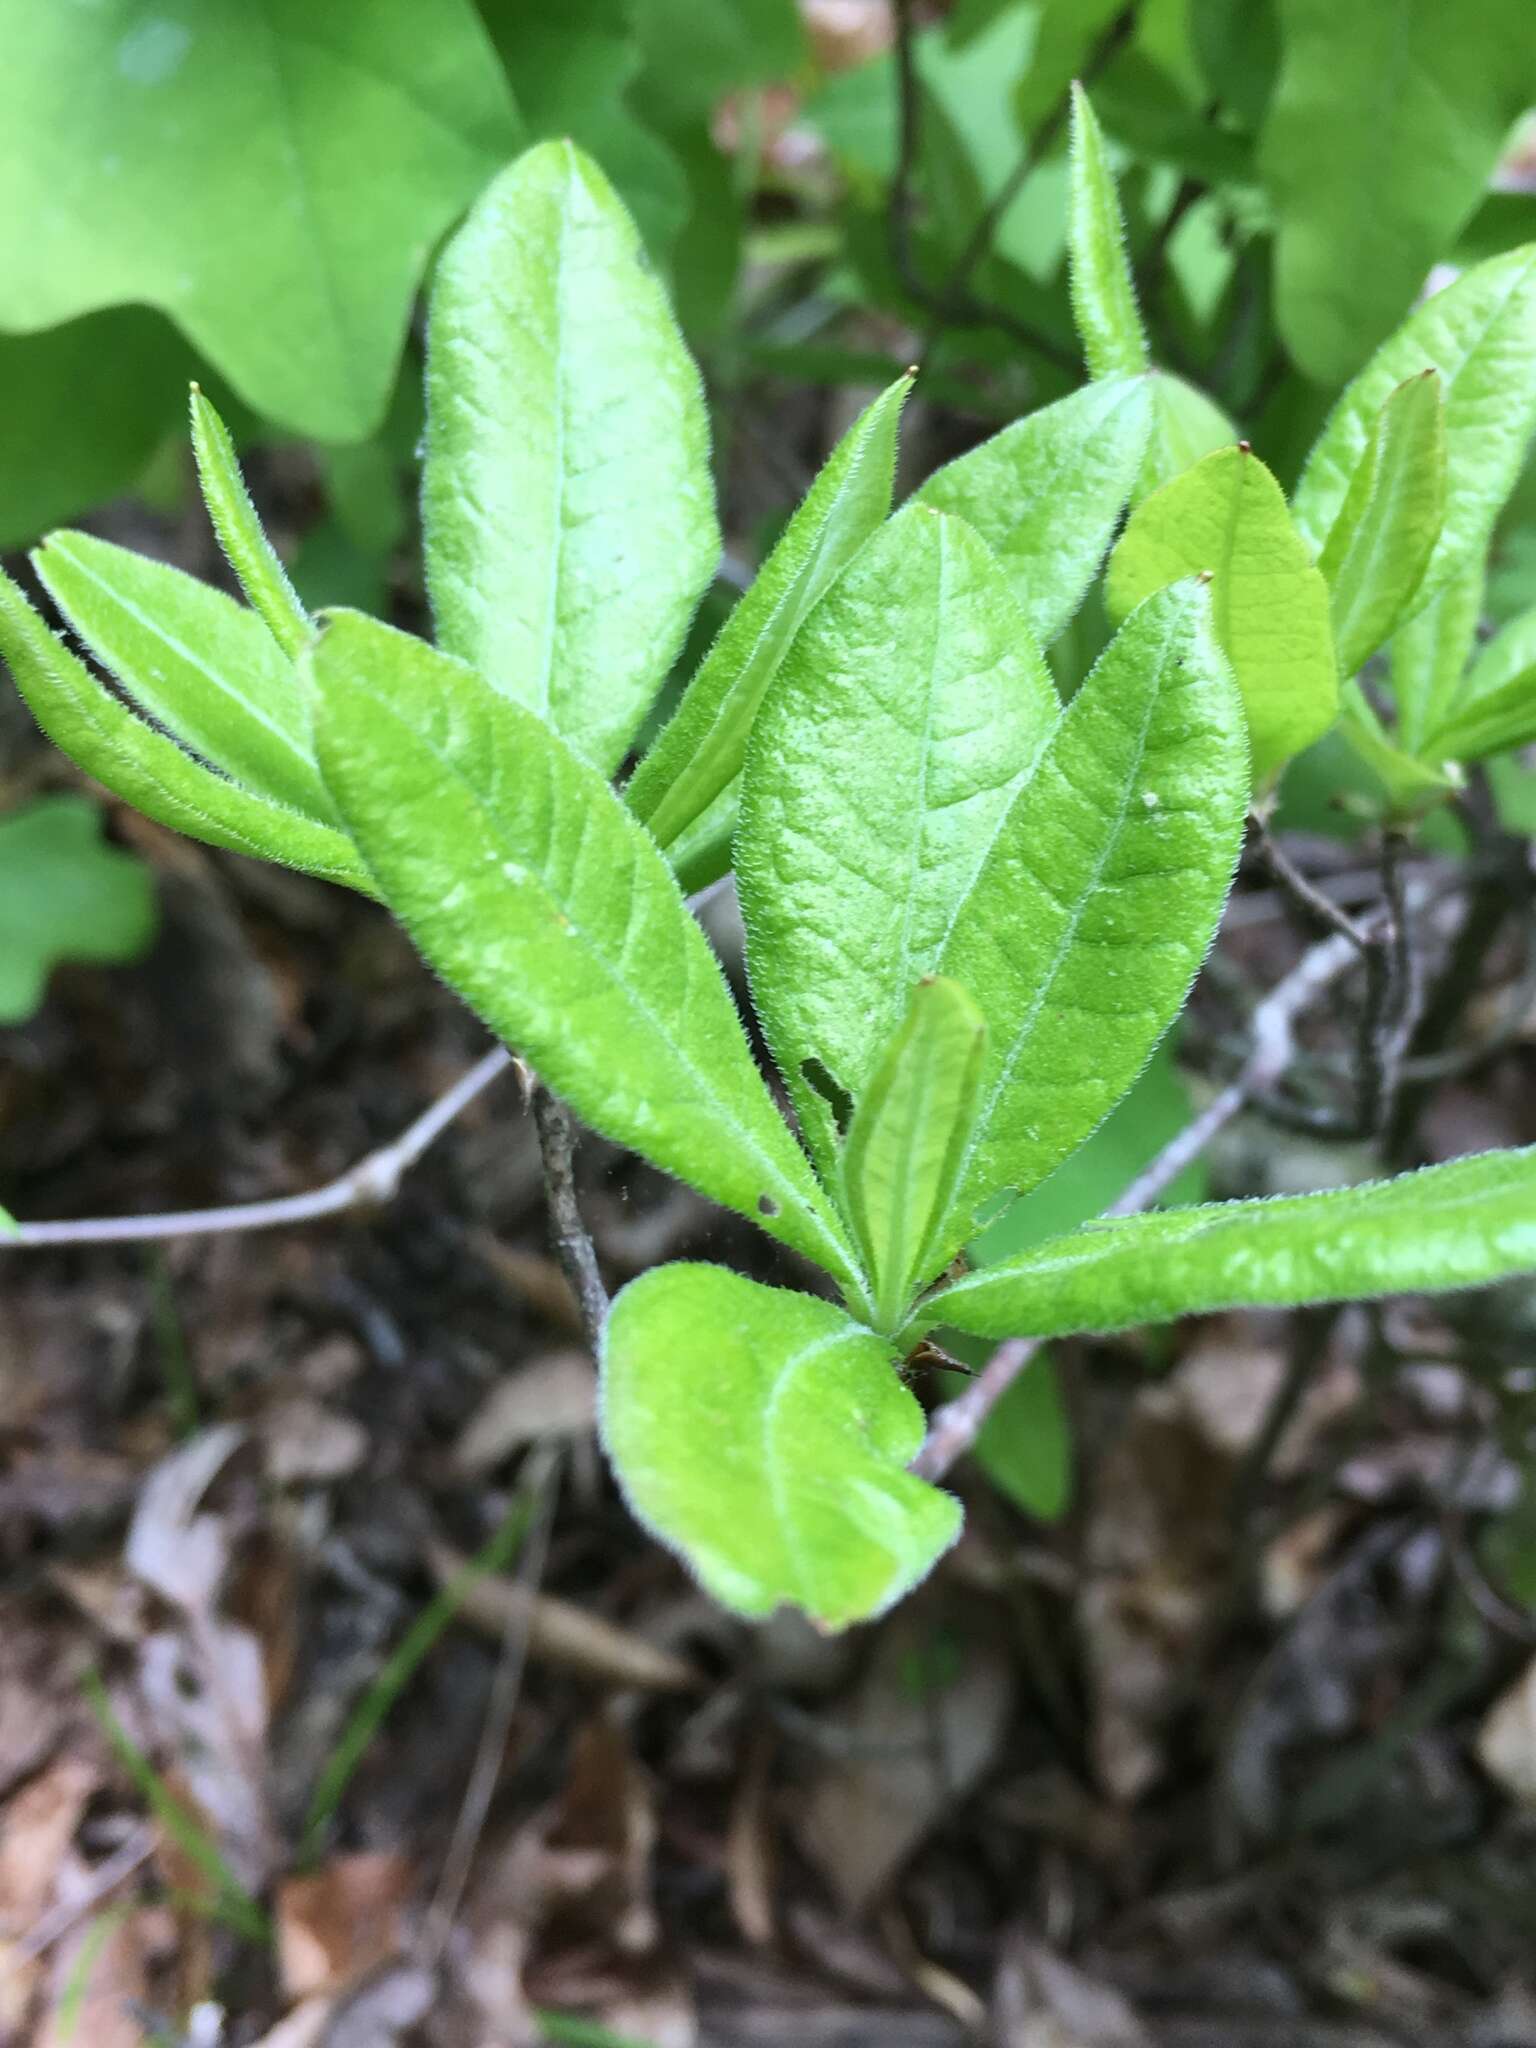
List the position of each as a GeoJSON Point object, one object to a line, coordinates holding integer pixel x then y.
{"type": "Point", "coordinates": [573, 1246]}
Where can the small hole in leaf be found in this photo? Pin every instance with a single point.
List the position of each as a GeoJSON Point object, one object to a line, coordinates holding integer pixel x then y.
{"type": "Point", "coordinates": [837, 1098]}
{"type": "Point", "coordinates": [767, 1206]}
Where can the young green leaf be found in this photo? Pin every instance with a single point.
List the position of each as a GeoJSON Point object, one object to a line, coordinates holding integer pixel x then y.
{"type": "Point", "coordinates": [1185, 425]}
{"type": "Point", "coordinates": [1410, 786]}
{"type": "Point", "coordinates": [1496, 708]}
{"type": "Point", "coordinates": [567, 507]}
{"type": "Point", "coordinates": [241, 535]}
{"type": "Point", "coordinates": [1460, 1225]}
{"type": "Point", "coordinates": [1103, 294]}
{"type": "Point", "coordinates": [1480, 334]}
{"type": "Point", "coordinates": [908, 712]}
{"type": "Point", "coordinates": [201, 665]}
{"type": "Point", "coordinates": [530, 888]}
{"type": "Point", "coordinates": [148, 770]}
{"type": "Point", "coordinates": [1047, 492]}
{"type": "Point", "coordinates": [64, 895]}
{"type": "Point", "coordinates": [906, 1141]}
{"type": "Point", "coordinates": [1379, 547]}
{"type": "Point", "coordinates": [1269, 604]}
{"type": "Point", "coordinates": [1380, 139]}
{"type": "Point", "coordinates": [1101, 891]}
{"type": "Point", "coordinates": [698, 755]}
{"type": "Point", "coordinates": [764, 1437]}
{"type": "Point", "coordinates": [1430, 654]}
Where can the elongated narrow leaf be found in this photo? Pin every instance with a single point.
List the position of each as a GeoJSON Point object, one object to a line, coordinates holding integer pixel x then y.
{"type": "Point", "coordinates": [1480, 334]}
{"type": "Point", "coordinates": [567, 506]}
{"type": "Point", "coordinates": [201, 665]}
{"type": "Point", "coordinates": [698, 756]}
{"type": "Point", "coordinates": [1387, 118]}
{"type": "Point", "coordinates": [764, 1436]}
{"type": "Point", "coordinates": [1047, 492]}
{"type": "Point", "coordinates": [908, 712]}
{"type": "Point", "coordinates": [1460, 1225]}
{"type": "Point", "coordinates": [1496, 707]}
{"type": "Point", "coordinates": [1409, 786]}
{"type": "Point", "coordinates": [906, 1141]}
{"type": "Point", "coordinates": [1375, 556]}
{"type": "Point", "coordinates": [1185, 425]}
{"type": "Point", "coordinates": [1103, 295]}
{"type": "Point", "coordinates": [1430, 656]}
{"type": "Point", "coordinates": [241, 535]}
{"type": "Point", "coordinates": [529, 887]}
{"type": "Point", "coordinates": [1269, 604]}
{"type": "Point", "coordinates": [144, 767]}
{"type": "Point", "coordinates": [1083, 931]}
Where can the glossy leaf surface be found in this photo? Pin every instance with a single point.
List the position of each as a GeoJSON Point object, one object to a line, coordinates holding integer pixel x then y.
{"type": "Point", "coordinates": [908, 712]}
{"type": "Point", "coordinates": [200, 664]}
{"type": "Point", "coordinates": [529, 887]}
{"type": "Point", "coordinates": [1269, 604]}
{"type": "Point", "coordinates": [567, 505]}
{"type": "Point", "coordinates": [1460, 1225]}
{"type": "Point", "coordinates": [764, 1436]}
{"type": "Point", "coordinates": [698, 755]}
{"type": "Point", "coordinates": [1103, 294]}
{"type": "Point", "coordinates": [1101, 891]}
{"type": "Point", "coordinates": [906, 1141]}
{"type": "Point", "coordinates": [1046, 494]}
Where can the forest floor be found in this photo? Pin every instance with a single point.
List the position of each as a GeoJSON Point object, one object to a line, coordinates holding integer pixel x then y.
{"type": "Point", "coordinates": [1239, 1752]}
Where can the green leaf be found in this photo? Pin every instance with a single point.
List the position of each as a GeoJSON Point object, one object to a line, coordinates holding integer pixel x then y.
{"type": "Point", "coordinates": [698, 51]}
{"type": "Point", "coordinates": [1380, 139]}
{"type": "Point", "coordinates": [1409, 786]}
{"type": "Point", "coordinates": [64, 895]}
{"type": "Point", "coordinates": [1460, 1225]}
{"type": "Point", "coordinates": [1375, 556]}
{"type": "Point", "coordinates": [1480, 334]}
{"type": "Point", "coordinates": [270, 175]}
{"type": "Point", "coordinates": [905, 1144]}
{"type": "Point", "coordinates": [567, 507]}
{"type": "Point", "coordinates": [201, 665]}
{"type": "Point", "coordinates": [150, 771]}
{"type": "Point", "coordinates": [9, 1227]}
{"type": "Point", "coordinates": [908, 712]}
{"type": "Point", "coordinates": [1047, 493]}
{"type": "Point", "coordinates": [764, 1437]}
{"type": "Point", "coordinates": [1101, 891]}
{"type": "Point", "coordinates": [1496, 709]}
{"type": "Point", "coordinates": [699, 753]}
{"type": "Point", "coordinates": [1430, 655]}
{"type": "Point", "coordinates": [1269, 604]}
{"type": "Point", "coordinates": [1103, 294]}
{"type": "Point", "coordinates": [526, 883]}
{"type": "Point", "coordinates": [1185, 425]}
{"type": "Point", "coordinates": [249, 552]}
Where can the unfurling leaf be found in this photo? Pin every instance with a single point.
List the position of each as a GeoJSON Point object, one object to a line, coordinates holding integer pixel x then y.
{"type": "Point", "coordinates": [1101, 890]}
{"type": "Point", "coordinates": [1103, 294]}
{"type": "Point", "coordinates": [1226, 518]}
{"type": "Point", "coordinates": [697, 757]}
{"type": "Point", "coordinates": [906, 1141]}
{"type": "Point", "coordinates": [906, 715]}
{"type": "Point", "coordinates": [1376, 554]}
{"type": "Point", "coordinates": [251, 555]}
{"type": "Point", "coordinates": [526, 883]}
{"type": "Point", "coordinates": [764, 1436]}
{"type": "Point", "coordinates": [1460, 1225]}
{"type": "Point", "coordinates": [567, 507]}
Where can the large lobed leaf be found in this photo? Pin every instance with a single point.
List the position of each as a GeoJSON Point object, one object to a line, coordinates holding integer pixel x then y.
{"type": "Point", "coordinates": [906, 715]}
{"type": "Point", "coordinates": [764, 1436]}
{"type": "Point", "coordinates": [1227, 518]}
{"type": "Point", "coordinates": [567, 506]}
{"type": "Point", "coordinates": [526, 883]}
{"type": "Point", "coordinates": [1460, 1225]}
{"type": "Point", "coordinates": [271, 174]}
{"type": "Point", "coordinates": [1480, 334]}
{"type": "Point", "coordinates": [1101, 891]}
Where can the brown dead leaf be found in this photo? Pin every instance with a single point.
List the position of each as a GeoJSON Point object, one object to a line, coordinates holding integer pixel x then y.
{"type": "Point", "coordinates": [335, 1923]}
{"type": "Point", "coordinates": [307, 1444]}
{"type": "Point", "coordinates": [553, 1396]}
{"type": "Point", "coordinates": [115, 1985]}
{"type": "Point", "coordinates": [37, 1825]}
{"type": "Point", "coordinates": [749, 1857]}
{"type": "Point", "coordinates": [922, 1729]}
{"type": "Point", "coordinates": [1506, 1742]}
{"type": "Point", "coordinates": [302, 2028]}
{"type": "Point", "coordinates": [531, 1277]}
{"type": "Point", "coordinates": [1040, 2000]}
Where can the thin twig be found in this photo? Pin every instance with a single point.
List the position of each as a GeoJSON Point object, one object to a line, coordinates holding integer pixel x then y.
{"type": "Point", "coordinates": [1304, 893]}
{"type": "Point", "coordinates": [573, 1246]}
{"type": "Point", "coordinates": [372, 1183]}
